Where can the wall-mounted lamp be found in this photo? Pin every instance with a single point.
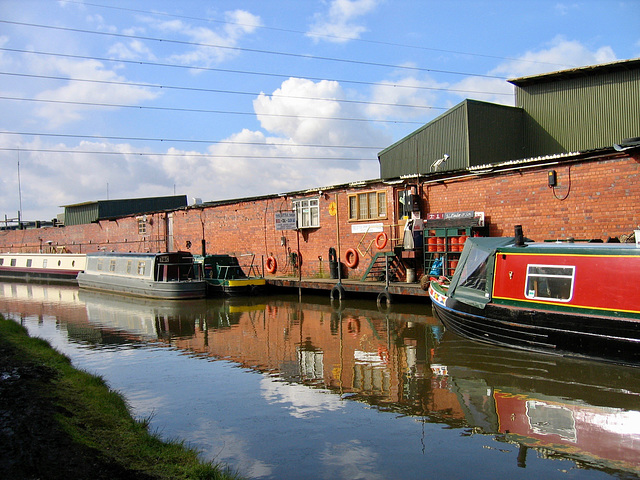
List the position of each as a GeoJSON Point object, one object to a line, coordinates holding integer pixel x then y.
{"type": "Point", "coordinates": [436, 164]}
{"type": "Point", "coordinates": [553, 178]}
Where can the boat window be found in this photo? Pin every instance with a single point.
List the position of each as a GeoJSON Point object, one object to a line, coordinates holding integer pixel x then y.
{"type": "Point", "coordinates": [13, 262]}
{"type": "Point", "coordinates": [44, 263]}
{"type": "Point", "coordinates": [141, 267]}
{"type": "Point", "coordinates": [128, 266]}
{"type": "Point", "coordinates": [474, 273]}
{"type": "Point", "coordinates": [112, 266]}
{"type": "Point", "coordinates": [29, 262]}
{"type": "Point", "coordinates": [99, 265]}
{"type": "Point", "coordinates": [1, 261]}
{"type": "Point", "coordinates": [550, 282]}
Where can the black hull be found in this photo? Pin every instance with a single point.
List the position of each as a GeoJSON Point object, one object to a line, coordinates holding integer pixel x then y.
{"type": "Point", "coordinates": [615, 340]}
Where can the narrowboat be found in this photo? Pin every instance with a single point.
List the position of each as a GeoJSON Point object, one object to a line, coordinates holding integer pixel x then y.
{"type": "Point", "coordinates": [59, 267]}
{"type": "Point", "coordinates": [170, 276]}
{"type": "Point", "coordinates": [224, 274]}
{"type": "Point", "coordinates": [576, 299]}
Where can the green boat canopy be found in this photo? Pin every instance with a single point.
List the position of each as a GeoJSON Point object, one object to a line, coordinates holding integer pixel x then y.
{"type": "Point", "coordinates": [472, 280]}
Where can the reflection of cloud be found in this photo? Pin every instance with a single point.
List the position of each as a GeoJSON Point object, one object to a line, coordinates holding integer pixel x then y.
{"type": "Point", "coordinates": [350, 460]}
{"type": "Point", "coordinates": [303, 402]}
{"type": "Point", "coordinates": [228, 449]}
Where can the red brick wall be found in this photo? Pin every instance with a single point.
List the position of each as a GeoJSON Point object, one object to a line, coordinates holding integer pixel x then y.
{"type": "Point", "coordinates": [594, 199]}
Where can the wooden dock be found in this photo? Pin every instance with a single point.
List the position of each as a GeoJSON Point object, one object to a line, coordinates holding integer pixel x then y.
{"type": "Point", "coordinates": [407, 291]}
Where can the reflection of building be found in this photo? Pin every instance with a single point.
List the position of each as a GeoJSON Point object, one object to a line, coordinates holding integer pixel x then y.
{"type": "Point", "coordinates": [586, 412]}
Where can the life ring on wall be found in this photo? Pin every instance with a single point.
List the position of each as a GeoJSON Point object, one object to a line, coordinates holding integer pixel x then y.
{"type": "Point", "coordinates": [381, 240]}
{"type": "Point", "coordinates": [271, 265]}
{"type": "Point", "coordinates": [351, 258]}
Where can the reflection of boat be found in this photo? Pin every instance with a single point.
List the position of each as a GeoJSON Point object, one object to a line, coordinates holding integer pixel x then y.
{"type": "Point", "coordinates": [42, 266]}
{"type": "Point", "coordinates": [224, 274]}
{"type": "Point", "coordinates": [155, 275]}
{"type": "Point", "coordinates": [568, 408]}
{"type": "Point", "coordinates": [551, 297]}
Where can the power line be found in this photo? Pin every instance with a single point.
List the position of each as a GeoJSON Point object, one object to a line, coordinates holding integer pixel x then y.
{"type": "Point", "coordinates": [225, 112]}
{"type": "Point", "coordinates": [252, 50]}
{"type": "Point", "coordinates": [247, 72]}
{"type": "Point", "coordinates": [169, 140]}
{"type": "Point", "coordinates": [197, 155]}
{"type": "Point", "coordinates": [319, 35]}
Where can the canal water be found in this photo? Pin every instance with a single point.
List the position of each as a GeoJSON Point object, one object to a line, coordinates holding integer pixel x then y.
{"type": "Point", "coordinates": [279, 388]}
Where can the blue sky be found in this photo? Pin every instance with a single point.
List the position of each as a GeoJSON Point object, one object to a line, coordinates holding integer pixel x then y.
{"type": "Point", "coordinates": [228, 99]}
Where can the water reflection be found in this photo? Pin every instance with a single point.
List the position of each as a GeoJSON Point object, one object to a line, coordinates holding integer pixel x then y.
{"type": "Point", "coordinates": [314, 356]}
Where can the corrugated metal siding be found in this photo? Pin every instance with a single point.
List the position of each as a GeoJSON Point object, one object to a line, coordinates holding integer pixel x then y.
{"type": "Point", "coordinates": [417, 152]}
{"type": "Point", "coordinates": [104, 209]}
{"type": "Point", "coordinates": [471, 133]}
{"type": "Point", "coordinates": [581, 113]}
{"type": "Point", "coordinates": [496, 133]}
{"type": "Point", "coordinates": [81, 214]}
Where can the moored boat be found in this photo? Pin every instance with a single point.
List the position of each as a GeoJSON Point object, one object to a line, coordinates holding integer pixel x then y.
{"type": "Point", "coordinates": [563, 298]}
{"type": "Point", "coordinates": [169, 276]}
{"type": "Point", "coordinates": [224, 274]}
{"type": "Point", "coordinates": [59, 267]}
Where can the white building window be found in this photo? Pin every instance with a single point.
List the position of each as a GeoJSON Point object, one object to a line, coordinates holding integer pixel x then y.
{"type": "Point", "coordinates": [307, 212]}
{"type": "Point", "coordinates": [142, 225]}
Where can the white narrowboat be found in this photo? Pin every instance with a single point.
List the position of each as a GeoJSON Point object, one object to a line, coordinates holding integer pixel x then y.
{"type": "Point", "coordinates": [171, 276]}
{"type": "Point", "coordinates": [59, 267]}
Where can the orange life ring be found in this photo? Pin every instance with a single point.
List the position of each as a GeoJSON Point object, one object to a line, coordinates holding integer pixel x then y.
{"type": "Point", "coordinates": [351, 258]}
{"type": "Point", "coordinates": [271, 265]}
{"type": "Point", "coordinates": [381, 244]}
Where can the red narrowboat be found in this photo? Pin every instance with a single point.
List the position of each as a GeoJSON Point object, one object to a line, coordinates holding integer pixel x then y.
{"type": "Point", "coordinates": [566, 298]}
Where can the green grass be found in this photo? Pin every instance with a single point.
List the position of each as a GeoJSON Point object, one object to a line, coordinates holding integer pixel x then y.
{"type": "Point", "coordinates": [93, 420]}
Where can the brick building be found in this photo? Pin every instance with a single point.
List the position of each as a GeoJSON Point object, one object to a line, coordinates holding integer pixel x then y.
{"type": "Point", "coordinates": [580, 179]}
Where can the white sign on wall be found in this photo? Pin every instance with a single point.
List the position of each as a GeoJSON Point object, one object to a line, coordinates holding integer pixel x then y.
{"type": "Point", "coordinates": [286, 220]}
{"type": "Point", "coordinates": [367, 228]}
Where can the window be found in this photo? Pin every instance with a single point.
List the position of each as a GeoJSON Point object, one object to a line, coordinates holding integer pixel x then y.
{"type": "Point", "coordinates": [368, 206]}
{"type": "Point", "coordinates": [99, 265]}
{"type": "Point", "coordinates": [13, 262]}
{"type": "Point", "coordinates": [112, 266]}
{"type": "Point", "coordinates": [550, 282]}
{"type": "Point", "coordinates": [29, 262]}
{"type": "Point", "coordinates": [307, 212]}
{"type": "Point", "coordinates": [142, 225]}
{"type": "Point", "coordinates": [141, 267]}
{"type": "Point", "coordinates": [128, 266]}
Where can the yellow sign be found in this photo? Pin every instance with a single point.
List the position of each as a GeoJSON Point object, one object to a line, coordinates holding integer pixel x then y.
{"type": "Point", "coordinates": [333, 209]}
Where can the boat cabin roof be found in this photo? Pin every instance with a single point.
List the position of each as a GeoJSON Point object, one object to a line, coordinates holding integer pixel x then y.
{"type": "Point", "coordinates": [140, 254]}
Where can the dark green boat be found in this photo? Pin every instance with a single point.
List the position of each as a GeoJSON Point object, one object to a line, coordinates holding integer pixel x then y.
{"type": "Point", "coordinates": [224, 275]}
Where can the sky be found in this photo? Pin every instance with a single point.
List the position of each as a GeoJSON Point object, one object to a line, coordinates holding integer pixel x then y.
{"type": "Point", "coordinates": [216, 100]}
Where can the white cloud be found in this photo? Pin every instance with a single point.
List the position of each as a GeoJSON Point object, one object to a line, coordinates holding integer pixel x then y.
{"type": "Point", "coordinates": [339, 23]}
{"type": "Point", "coordinates": [560, 54]}
{"type": "Point", "coordinates": [212, 47]}
{"type": "Point", "coordinates": [57, 114]}
{"type": "Point", "coordinates": [408, 90]}
{"type": "Point", "coordinates": [133, 50]}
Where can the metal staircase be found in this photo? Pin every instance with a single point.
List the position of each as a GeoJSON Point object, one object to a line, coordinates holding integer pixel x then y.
{"type": "Point", "coordinates": [376, 271]}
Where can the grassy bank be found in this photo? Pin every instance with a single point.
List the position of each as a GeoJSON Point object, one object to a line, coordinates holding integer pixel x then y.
{"type": "Point", "coordinates": [59, 422]}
